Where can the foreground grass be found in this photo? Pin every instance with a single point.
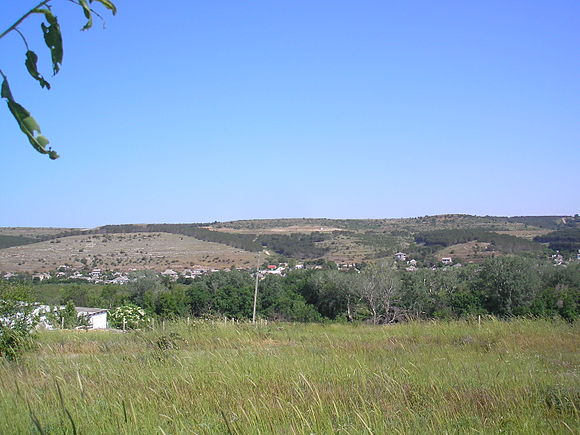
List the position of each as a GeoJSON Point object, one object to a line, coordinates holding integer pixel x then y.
{"type": "Point", "coordinates": [517, 377]}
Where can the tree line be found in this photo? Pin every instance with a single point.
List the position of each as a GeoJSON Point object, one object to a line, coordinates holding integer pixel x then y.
{"type": "Point", "coordinates": [502, 242]}
{"type": "Point", "coordinates": [379, 293]}
{"type": "Point", "coordinates": [565, 240]}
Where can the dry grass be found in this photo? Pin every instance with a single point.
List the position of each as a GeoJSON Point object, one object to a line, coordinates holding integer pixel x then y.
{"type": "Point", "coordinates": [471, 251]}
{"type": "Point", "coordinates": [124, 252]}
{"type": "Point", "coordinates": [526, 233]}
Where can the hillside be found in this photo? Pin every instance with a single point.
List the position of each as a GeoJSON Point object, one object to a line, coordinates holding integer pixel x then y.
{"type": "Point", "coordinates": [237, 243]}
{"type": "Point", "coordinates": [157, 251]}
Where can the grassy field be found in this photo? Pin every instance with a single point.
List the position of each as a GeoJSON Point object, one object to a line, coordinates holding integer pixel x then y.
{"type": "Point", "coordinates": [457, 377]}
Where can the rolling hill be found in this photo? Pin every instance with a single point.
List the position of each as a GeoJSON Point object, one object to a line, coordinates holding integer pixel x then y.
{"type": "Point", "coordinates": [237, 243]}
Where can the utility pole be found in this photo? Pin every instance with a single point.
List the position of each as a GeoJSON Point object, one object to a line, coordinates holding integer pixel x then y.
{"type": "Point", "coordinates": [256, 289]}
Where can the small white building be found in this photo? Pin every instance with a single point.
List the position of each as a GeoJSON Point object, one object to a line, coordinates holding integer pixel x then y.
{"type": "Point", "coordinates": [446, 260]}
{"type": "Point", "coordinates": [400, 256]}
{"type": "Point", "coordinates": [97, 316]}
{"type": "Point", "coordinates": [171, 274]}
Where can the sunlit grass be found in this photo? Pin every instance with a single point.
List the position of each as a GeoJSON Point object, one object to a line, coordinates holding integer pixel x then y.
{"type": "Point", "coordinates": [455, 377]}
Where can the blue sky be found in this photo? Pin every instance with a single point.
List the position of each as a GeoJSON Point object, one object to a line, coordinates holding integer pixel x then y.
{"type": "Point", "coordinates": [219, 110]}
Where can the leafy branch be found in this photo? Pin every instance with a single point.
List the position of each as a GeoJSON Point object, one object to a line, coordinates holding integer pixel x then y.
{"type": "Point", "coordinates": [53, 40]}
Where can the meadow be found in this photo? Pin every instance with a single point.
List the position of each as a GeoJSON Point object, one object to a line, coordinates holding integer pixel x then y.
{"type": "Point", "coordinates": [207, 377]}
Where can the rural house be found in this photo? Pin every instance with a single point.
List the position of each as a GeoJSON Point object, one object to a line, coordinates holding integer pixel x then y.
{"type": "Point", "coordinates": [97, 316]}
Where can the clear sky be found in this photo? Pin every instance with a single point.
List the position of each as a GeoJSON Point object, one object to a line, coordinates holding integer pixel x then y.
{"type": "Point", "coordinates": [194, 111]}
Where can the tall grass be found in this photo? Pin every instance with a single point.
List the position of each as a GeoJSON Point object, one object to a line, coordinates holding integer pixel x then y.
{"type": "Point", "coordinates": [444, 377]}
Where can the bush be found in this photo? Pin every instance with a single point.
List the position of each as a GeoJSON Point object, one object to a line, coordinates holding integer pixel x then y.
{"type": "Point", "coordinates": [18, 319]}
{"type": "Point", "coordinates": [128, 317]}
{"type": "Point", "coordinates": [13, 342]}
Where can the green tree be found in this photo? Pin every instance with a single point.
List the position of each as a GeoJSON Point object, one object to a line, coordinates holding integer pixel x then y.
{"type": "Point", "coordinates": [145, 287]}
{"type": "Point", "coordinates": [67, 316]}
{"type": "Point", "coordinates": [337, 294]}
{"type": "Point", "coordinates": [279, 301]}
{"type": "Point", "coordinates": [75, 293]}
{"type": "Point", "coordinates": [427, 293]}
{"type": "Point", "coordinates": [560, 293]}
{"type": "Point", "coordinates": [18, 317]}
{"type": "Point", "coordinates": [173, 303]}
{"type": "Point", "coordinates": [508, 285]}
{"type": "Point", "coordinates": [53, 39]}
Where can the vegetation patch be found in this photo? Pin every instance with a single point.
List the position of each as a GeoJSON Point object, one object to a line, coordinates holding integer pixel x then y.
{"type": "Point", "coordinates": [502, 242]}
{"type": "Point", "coordinates": [8, 241]}
{"type": "Point", "coordinates": [566, 240]}
{"type": "Point", "coordinates": [211, 377]}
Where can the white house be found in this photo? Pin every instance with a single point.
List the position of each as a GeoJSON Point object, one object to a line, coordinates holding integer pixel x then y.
{"type": "Point", "coordinates": [97, 316]}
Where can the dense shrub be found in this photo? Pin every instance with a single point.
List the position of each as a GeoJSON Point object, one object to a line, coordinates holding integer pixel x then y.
{"type": "Point", "coordinates": [18, 318]}
{"type": "Point", "coordinates": [128, 316]}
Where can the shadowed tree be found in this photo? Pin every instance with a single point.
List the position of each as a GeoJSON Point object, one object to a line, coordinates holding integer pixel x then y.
{"type": "Point", "coordinates": [508, 285]}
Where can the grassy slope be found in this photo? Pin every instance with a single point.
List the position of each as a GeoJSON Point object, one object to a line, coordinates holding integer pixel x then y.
{"type": "Point", "coordinates": [124, 252]}
{"type": "Point", "coordinates": [520, 377]}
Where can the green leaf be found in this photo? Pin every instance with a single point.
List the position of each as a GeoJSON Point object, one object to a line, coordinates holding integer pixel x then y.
{"type": "Point", "coordinates": [26, 122]}
{"type": "Point", "coordinates": [52, 38]}
{"type": "Point", "coordinates": [108, 4]}
{"type": "Point", "coordinates": [43, 141]}
{"type": "Point", "coordinates": [31, 60]}
{"type": "Point", "coordinates": [87, 12]}
{"type": "Point", "coordinates": [30, 123]}
{"type": "Point", "coordinates": [5, 90]}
